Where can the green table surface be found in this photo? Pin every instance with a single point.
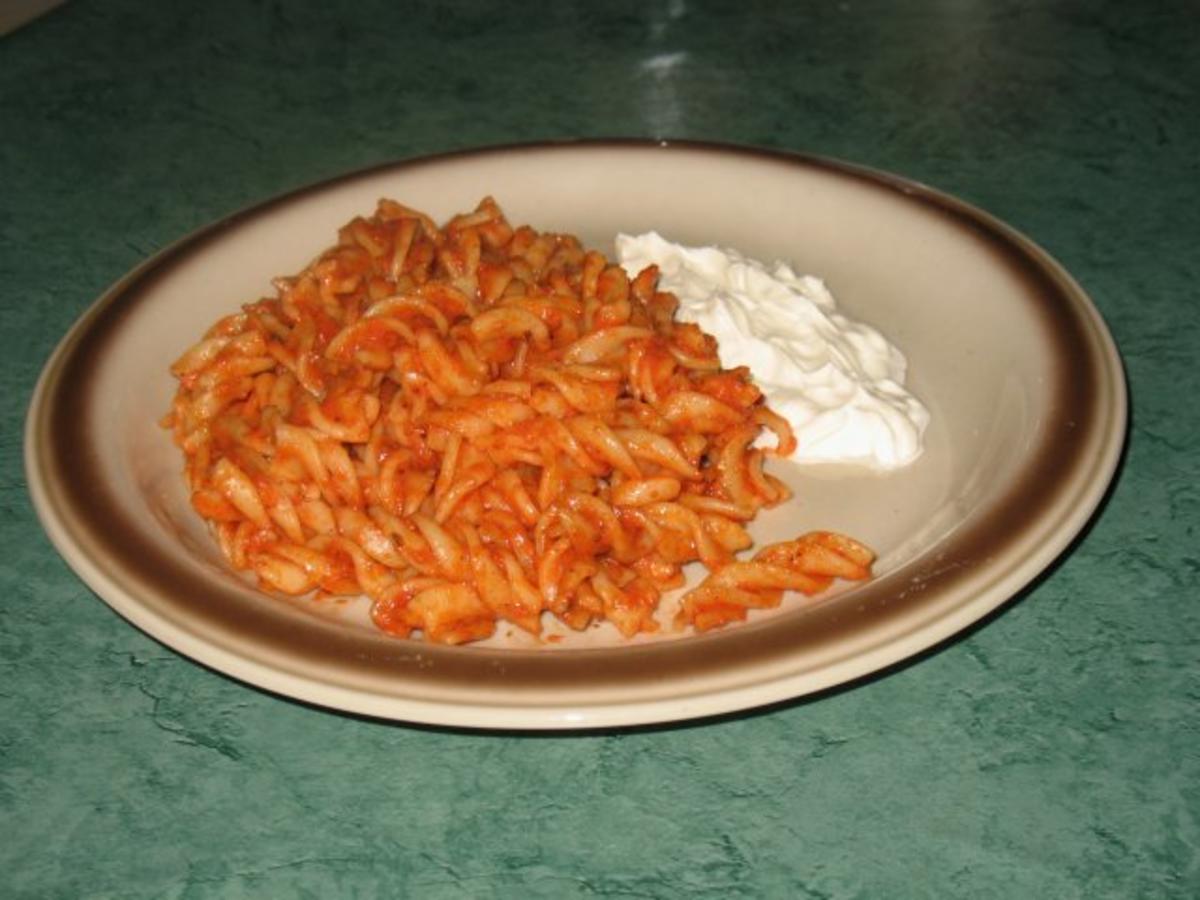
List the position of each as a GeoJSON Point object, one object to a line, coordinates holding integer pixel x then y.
{"type": "Point", "coordinates": [1051, 752]}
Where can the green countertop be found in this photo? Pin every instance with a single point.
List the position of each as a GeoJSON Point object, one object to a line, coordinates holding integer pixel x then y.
{"type": "Point", "coordinates": [1051, 752]}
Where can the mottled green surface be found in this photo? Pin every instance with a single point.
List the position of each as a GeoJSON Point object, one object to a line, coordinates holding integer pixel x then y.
{"type": "Point", "coordinates": [1051, 753]}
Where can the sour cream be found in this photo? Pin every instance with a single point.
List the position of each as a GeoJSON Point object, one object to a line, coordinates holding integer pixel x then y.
{"type": "Point", "coordinates": [839, 383]}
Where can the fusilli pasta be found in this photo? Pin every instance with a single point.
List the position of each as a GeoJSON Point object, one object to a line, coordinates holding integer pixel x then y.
{"type": "Point", "coordinates": [479, 422]}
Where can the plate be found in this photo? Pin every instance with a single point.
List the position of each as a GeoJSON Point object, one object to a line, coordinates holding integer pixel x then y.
{"type": "Point", "coordinates": [1016, 365]}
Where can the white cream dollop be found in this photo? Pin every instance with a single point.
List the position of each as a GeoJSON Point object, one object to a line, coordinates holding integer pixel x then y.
{"type": "Point", "coordinates": [839, 383]}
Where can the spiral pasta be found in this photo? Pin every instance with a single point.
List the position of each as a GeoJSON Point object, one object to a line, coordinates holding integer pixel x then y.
{"type": "Point", "coordinates": [476, 422]}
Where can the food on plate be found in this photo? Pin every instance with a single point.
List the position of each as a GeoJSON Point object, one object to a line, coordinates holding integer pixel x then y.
{"type": "Point", "coordinates": [477, 423]}
{"type": "Point", "coordinates": [839, 383]}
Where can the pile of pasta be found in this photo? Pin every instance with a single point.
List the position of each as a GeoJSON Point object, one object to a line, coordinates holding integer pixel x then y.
{"type": "Point", "coordinates": [479, 422]}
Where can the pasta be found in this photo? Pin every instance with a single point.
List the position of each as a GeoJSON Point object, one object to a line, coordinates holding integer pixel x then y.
{"type": "Point", "coordinates": [478, 423]}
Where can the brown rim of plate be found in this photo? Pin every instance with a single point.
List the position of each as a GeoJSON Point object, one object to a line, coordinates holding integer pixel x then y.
{"type": "Point", "coordinates": [87, 511]}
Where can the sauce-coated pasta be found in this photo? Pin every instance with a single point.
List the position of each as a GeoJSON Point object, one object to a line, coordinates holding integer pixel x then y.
{"type": "Point", "coordinates": [476, 423]}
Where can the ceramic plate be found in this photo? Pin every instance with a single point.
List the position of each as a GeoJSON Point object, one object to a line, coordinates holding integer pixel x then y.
{"type": "Point", "coordinates": [1019, 371]}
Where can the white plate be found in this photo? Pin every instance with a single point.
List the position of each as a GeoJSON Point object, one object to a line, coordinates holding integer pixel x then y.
{"type": "Point", "coordinates": [1023, 380]}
